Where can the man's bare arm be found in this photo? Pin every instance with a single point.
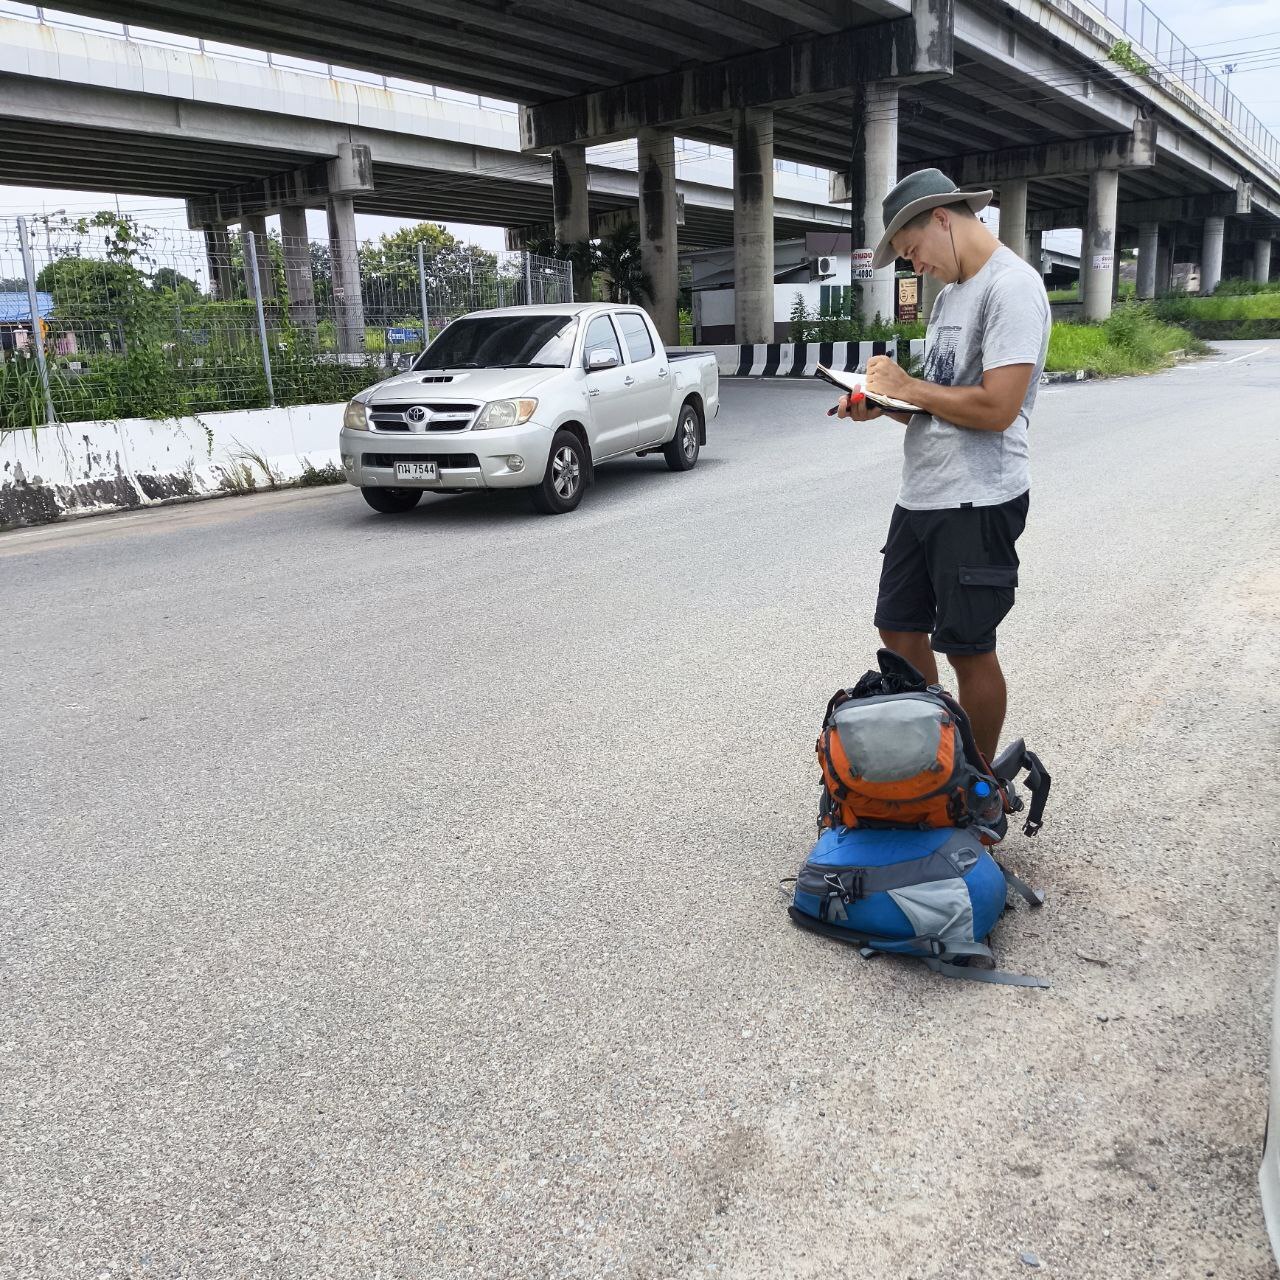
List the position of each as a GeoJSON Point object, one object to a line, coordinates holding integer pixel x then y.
{"type": "Point", "coordinates": [992, 405]}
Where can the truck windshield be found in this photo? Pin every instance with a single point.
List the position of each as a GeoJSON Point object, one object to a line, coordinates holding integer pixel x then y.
{"type": "Point", "coordinates": [502, 342]}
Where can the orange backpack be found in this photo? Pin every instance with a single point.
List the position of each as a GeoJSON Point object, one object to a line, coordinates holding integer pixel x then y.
{"type": "Point", "coordinates": [896, 752]}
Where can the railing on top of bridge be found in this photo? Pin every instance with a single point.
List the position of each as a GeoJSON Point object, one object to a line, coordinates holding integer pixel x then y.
{"type": "Point", "coordinates": [1151, 36]}
{"type": "Point", "coordinates": [135, 34]}
{"type": "Point", "coordinates": [1154, 42]}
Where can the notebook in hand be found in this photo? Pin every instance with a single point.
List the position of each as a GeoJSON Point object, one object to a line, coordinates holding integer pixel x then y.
{"type": "Point", "coordinates": [858, 382]}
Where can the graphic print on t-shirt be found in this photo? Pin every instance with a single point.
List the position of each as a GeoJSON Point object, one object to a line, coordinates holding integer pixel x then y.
{"type": "Point", "coordinates": [940, 363]}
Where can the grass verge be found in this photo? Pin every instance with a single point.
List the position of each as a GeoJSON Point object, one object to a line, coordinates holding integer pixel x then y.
{"type": "Point", "coordinates": [1130, 341]}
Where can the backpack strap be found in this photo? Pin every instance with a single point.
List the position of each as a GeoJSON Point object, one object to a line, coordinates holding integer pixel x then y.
{"type": "Point", "coordinates": [1038, 783]}
{"type": "Point", "coordinates": [1011, 762]}
{"type": "Point", "coordinates": [998, 976]}
{"type": "Point", "coordinates": [1032, 897]}
{"type": "Point", "coordinates": [940, 955]}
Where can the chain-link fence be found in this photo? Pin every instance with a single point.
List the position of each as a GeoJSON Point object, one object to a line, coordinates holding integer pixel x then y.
{"type": "Point", "coordinates": [104, 318]}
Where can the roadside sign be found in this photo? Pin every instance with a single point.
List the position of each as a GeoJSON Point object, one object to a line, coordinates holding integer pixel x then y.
{"type": "Point", "coordinates": [862, 264]}
{"type": "Point", "coordinates": [908, 299]}
{"type": "Point", "coordinates": [404, 335]}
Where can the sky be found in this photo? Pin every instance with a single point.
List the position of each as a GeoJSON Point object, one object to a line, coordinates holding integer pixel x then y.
{"type": "Point", "coordinates": [1242, 32]}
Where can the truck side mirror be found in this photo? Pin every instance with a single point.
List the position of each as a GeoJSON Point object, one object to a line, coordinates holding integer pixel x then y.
{"type": "Point", "coordinates": [602, 358]}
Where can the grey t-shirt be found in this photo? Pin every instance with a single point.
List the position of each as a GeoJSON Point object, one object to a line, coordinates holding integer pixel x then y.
{"type": "Point", "coordinates": [999, 316]}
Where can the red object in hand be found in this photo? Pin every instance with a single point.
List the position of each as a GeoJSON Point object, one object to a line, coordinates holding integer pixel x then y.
{"type": "Point", "coordinates": [854, 397]}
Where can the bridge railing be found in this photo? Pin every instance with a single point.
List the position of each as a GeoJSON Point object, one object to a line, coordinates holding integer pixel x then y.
{"type": "Point", "coordinates": [135, 34]}
{"type": "Point", "coordinates": [1155, 42]}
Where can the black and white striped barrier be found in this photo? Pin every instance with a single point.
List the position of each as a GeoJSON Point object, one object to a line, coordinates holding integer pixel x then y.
{"type": "Point", "coordinates": [796, 359]}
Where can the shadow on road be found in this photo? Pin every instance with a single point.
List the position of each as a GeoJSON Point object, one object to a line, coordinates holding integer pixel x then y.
{"type": "Point", "coordinates": [498, 506]}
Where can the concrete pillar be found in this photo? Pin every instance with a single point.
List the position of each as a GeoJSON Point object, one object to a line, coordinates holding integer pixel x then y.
{"type": "Point", "coordinates": [1013, 216]}
{"type": "Point", "coordinates": [1098, 246]}
{"type": "Point", "coordinates": [1164, 266]}
{"type": "Point", "coordinates": [1211, 254]}
{"type": "Point", "coordinates": [877, 160]}
{"type": "Point", "coordinates": [656, 153]}
{"type": "Point", "coordinates": [256, 226]}
{"type": "Point", "coordinates": [297, 267]}
{"type": "Point", "coordinates": [930, 287]}
{"type": "Point", "coordinates": [571, 210]}
{"type": "Point", "coordinates": [346, 273]}
{"type": "Point", "coordinates": [753, 224]}
{"type": "Point", "coordinates": [1148, 253]}
{"type": "Point", "coordinates": [1262, 260]}
{"type": "Point", "coordinates": [217, 252]}
{"type": "Point", "coordinates": [1035, 250]}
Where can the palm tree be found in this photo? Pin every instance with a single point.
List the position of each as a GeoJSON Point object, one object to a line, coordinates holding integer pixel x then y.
{"type": "Point", "coordinates": [617, 257]}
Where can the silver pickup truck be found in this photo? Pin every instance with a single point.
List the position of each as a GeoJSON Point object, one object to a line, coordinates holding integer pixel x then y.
{"type": "Point", "coordinates": [528, 398]}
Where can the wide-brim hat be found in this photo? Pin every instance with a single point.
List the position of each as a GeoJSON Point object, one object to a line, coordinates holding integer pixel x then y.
{"type": "Point", "coordinates": [916, 193]}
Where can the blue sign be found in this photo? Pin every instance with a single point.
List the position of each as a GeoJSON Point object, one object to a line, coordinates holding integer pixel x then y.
{"type": "Point", "coordinates": [404, 335]}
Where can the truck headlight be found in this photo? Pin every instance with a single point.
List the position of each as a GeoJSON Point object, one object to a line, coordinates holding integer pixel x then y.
{"type": "Point", "coordinates": [356, 416]}
{"type": "Point", "coordinates": [504, 413]}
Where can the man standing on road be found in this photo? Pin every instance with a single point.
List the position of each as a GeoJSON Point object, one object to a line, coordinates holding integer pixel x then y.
{"type": "Point", "coordinates": [950, 564]}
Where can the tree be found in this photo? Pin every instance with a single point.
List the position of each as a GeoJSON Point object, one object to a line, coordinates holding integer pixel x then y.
{"type": "Point", "coordinates": [176, 286]}
{"type": "Point", "coordinates": [108, 296]}
{"type": "Point", "coordinates": [389, 270]}
{"type": "Point", "coordinates": [99, 297]}
{"type": "Point", "coordinates": [618, 258]}
{"type": "Point", "coordinates": [321, 274]}
{"type": "Point", "coordinates": [238, 259]}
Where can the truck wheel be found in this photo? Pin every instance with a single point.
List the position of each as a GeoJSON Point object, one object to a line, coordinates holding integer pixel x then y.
{"type": "Point", "coordinates": [562, 485]}
{"type": "Point", "coordinates": [391, 501]}
{"type": "Point", "coordinates": [682, 451]}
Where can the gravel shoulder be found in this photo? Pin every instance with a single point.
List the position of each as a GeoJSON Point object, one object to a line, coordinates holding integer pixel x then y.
{"type": "Point", "coordinates": [398, 897]}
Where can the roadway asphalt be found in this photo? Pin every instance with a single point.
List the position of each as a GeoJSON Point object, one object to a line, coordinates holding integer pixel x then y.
{"type": "Point", "coordinates": [397, 897]}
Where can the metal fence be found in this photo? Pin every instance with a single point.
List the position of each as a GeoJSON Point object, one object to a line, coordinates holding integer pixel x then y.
{"type": "Point", "coordinates": [132, 321]}
{"type": "Point", "coordinates": [1153, 39]}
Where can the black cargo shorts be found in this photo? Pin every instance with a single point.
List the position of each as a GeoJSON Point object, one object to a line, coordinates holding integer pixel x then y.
{"type": "Point", "coordinates": [951, 573]}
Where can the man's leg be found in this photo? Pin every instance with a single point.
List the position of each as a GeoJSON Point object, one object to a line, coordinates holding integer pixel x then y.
{"type": "Point", "coordinates": [914, 646]}
{"type": "Point", "coordinates": [905, 606]}
{"type": "Point", "coordinates": [983, 695]}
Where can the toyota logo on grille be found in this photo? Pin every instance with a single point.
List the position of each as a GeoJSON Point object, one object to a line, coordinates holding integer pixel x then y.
{"type": "Point", "coordinates": [417, 414]}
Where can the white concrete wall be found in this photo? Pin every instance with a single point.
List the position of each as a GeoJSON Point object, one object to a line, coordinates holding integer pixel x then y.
{"type": "Point", "coordinates": [715, 306]}
{"type": "Point", "coordinates": [87, 467]}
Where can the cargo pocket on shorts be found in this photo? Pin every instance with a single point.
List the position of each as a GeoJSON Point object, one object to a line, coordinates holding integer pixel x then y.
{"type": "Point", "coordinates": [980, 604]}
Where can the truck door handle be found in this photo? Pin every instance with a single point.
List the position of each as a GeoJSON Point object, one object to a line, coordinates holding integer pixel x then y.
{"type": "Point", "coordinates": [662, 373]}
{"type": "Point", "coordinates": [628, 381]}
{"type": "Point", "coordinates": [593, 391]}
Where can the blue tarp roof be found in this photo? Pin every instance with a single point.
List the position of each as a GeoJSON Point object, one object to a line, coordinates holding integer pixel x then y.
{"type": "Point", "coordinates": [15, 309]}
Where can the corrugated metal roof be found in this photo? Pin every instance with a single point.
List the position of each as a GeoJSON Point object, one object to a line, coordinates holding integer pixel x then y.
{"type": "Point", "coordinates": [15, 309]}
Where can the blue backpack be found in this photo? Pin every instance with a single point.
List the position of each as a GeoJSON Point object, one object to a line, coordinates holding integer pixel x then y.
{"type": "Point", "coordinates": [935, 894]}
{"type": "Point", "coordinates": [929, 891]}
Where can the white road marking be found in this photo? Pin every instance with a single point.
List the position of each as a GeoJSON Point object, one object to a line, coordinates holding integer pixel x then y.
{"type": "Point", "coordinates": [1233, 360]}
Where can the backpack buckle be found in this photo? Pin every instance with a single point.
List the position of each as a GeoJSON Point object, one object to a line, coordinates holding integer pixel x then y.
{"type": "Point", "coordinates": [848, 887]}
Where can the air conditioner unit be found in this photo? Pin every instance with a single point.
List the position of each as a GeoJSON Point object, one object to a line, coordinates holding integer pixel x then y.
{"type": "Point", "coordinates": [822, 268]}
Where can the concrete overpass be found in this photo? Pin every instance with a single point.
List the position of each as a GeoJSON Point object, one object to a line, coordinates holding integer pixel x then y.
{"type": "Point", "coordinates": [1021, 93]}
{"type": "Point", "coordinates": [95, 112]}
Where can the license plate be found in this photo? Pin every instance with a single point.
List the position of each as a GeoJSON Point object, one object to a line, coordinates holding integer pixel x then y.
{"type": "Point", "coordinates": [417, 471]}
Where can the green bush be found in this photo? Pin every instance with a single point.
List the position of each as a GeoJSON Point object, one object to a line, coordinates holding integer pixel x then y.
{"type": "Point", "coordinates": [1223, 316]}
{"type": "Point", "coordinates": [1243, 288]}
{"type": "Point", "coordinates": [1131, 340]}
